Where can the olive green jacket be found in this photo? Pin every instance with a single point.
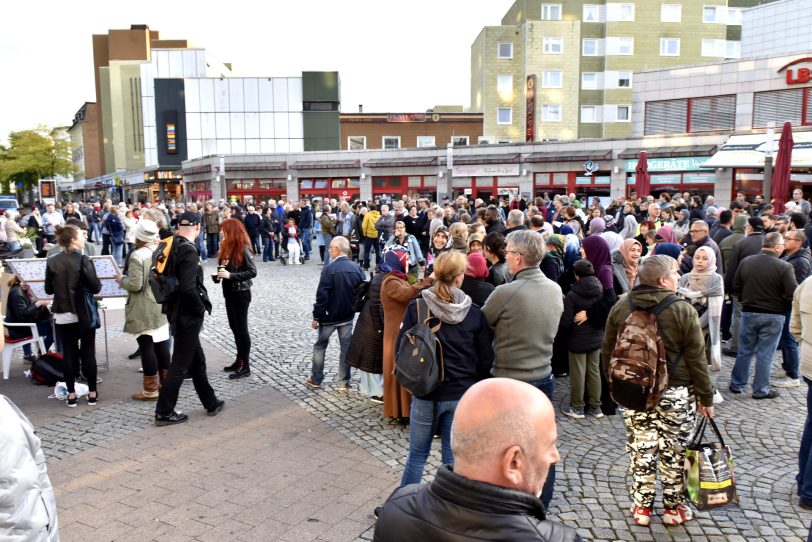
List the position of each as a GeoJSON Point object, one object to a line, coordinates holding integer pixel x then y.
{"type": "Point", "coordinates": [141, 313]}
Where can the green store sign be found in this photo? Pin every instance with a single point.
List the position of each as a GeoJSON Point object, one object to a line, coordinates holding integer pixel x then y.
{"type": "Point", "coordinates": [691, 163]}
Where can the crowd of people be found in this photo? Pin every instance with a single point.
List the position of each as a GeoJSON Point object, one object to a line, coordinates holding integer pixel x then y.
{"type": "Point", "coordinates": [520, 294]}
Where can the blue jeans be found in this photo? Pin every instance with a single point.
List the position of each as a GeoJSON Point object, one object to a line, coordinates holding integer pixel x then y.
{"type": "Point", "coordinates": [14, 245]}
{"type": "Point", "coordinates": [371, 243]}
{"type": "Point", "coordinates": [791, 358]}
{"type": "Point", "coordinates": [804, 476]}
{"type": "Point", "coordinates": [212, 243]}
{"type": "Point", "coordinates": [46, 331]}
{"type": "Point", "coordinates": [118, 253]}
{"type": "Point", "coordinates": [267, 249]}
{"type": "Point", "coordinates": [201, 246]}
{"type": "Point", "coordinates": [307, 240]}
{"type": "Point", "coordinates": [344, 336]}
{"type": "Point", "coordinates": [547, 385]}
{"type": "Point", "coordinates": [421, 432]}
{"type": "Point", "coordinates": [758, 335]}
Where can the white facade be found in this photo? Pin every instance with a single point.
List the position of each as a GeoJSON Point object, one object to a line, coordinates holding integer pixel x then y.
{"type": "Point", "coordinates": [777, 28]}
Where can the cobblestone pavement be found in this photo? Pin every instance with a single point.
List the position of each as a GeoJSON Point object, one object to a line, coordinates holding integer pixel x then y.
{"type": "Point", "coordinates": [591, 478]}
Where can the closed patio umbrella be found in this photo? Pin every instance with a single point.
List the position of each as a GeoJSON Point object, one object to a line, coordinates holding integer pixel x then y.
{"type": "Point", "coordinates": [642, 181]}
{"type": "Point", "coordinates": [782, 169]}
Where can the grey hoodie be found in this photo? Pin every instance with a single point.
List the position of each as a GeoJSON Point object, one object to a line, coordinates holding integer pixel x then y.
{"type": "Point", "coordinates": [448, 313]}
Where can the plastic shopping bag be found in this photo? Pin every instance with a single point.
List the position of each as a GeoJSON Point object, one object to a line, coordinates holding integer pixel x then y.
{"type": "Point", "coordinates": [61, 390]}
{"type": "Point", "coordinates": [709, 478]}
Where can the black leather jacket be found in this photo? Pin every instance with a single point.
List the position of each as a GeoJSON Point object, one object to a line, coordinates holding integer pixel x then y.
{"type": "Point", "coordinates": [62, 280]}
{"type": "Point", "coordinates": [240, 280]}
{"type": "Point", "coordinates": [453, 508]}
{"type": "Point", "coordinates": [192, 301]}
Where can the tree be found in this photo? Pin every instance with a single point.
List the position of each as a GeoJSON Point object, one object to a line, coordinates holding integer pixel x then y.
{"type": "Point", "coordinates": [36, 154]}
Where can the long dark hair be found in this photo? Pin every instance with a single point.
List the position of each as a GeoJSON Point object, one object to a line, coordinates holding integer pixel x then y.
{"type": "Point", "coordinates": [236, 238]}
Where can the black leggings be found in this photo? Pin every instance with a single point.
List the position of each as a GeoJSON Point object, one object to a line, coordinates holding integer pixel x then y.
{"type": "Point", "coordinates": [154, 355]}
{"type": "Point", "coordinates": [237, 310]}
{"type": "Point", "coordinates": [78, 346]}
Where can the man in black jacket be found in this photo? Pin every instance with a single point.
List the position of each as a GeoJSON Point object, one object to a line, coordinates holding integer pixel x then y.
{"type": "Point", "coordinates": [799, 258]}
{"type": "Point", "coordinates": [333, 311]}
{"type": "Point", "coordinates": [252, 222]}
{"type": "Point", "coordinates": [750, 245]}
{"type": "Point", "coordinates": [185, 312]}
{"type": "Point", "coordinates": [765, 285]}
{"type": "Point", "coordinates": [492, 491]}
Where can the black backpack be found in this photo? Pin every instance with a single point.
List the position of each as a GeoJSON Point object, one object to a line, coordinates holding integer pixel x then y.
{"type": "Point", "coordinates": [419, 359]}
{"type": "Point", "coordinates": [48, 369]}
{"type": "Point", "coordinates": [162, 280]}
{"type": "Point", "coordinates": [361, 294]}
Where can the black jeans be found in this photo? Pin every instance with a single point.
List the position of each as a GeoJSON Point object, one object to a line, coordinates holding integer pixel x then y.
{"type": "Point", "coordinates": [154, 356]}
{"type": "Point", "coordinates": [106, 246]}
{"type": "Point", "coordinates": [237, 311]}
{"type": "Point", "coordinates": [212, 244]}
{"type": "Point", "coordinates": [78, 346]}
{"type": "Point", "coordinates": [187, 356]}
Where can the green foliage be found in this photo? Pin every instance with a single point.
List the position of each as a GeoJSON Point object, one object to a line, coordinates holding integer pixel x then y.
{"type": "Point", "coordinates": [35, 154]}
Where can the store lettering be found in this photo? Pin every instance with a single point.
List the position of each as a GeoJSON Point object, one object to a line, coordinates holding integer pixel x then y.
{"type": "Point", "coordinates": [798, 76]}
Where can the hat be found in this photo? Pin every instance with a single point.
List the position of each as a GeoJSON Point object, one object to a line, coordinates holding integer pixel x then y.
{"type": "Point", "coordinates": [474, 237]}
{"type": "Point", "coordinates": [441, 229]}
{"type": "Point", "coordinates": [609, 220]}
{"type": "Point", "coordinates": [756, 223]}
{"type": "Point", "coordinates": [189, 218]}
{"type": "Point", "coordinates": [146, 231]}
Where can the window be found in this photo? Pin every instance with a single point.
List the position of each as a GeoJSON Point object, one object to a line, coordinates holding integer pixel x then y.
{"type": "Point", "coordinates": [504, 115]}
{"type": "Point", "coordinates": [733, 49]}
{"type": "Point", "coordinates": [669, 46]}
{"type": "Point", "coordinates": [721, 48]}
{"type": "Point", "coordinates": [623, 113]}
{"type": "Point", "coordinates": [713, 113]}
{"type": "Point", "coordinates": [551, 113]}
{"type": "Point", "coordinates": [671, 13]}
{"type": "Point", "coordinates": [589, 113]}
{"type": "Point", "coordinates": [619, 46]}
{"type": "Point", "coordinates": [551, 79]}
{"type": "Point", "coordinates": [553, 46]}
{"type": "Point", "coordinates": [391, 142]}
{"type": "Point", "coordinates": [591, 47]}
{"type": "Point", "coordinates": [714, 14]}
{"type": "Point", "coordinates": [357, 143]}
{"type": "Point", "coordinates": [459, 141]}
{"type": "Point", "coordinates": [551, 12]}
{"type": "Point", "coordinates": [593, 14]}
{"type": "Point", "coordinates": [425, 141]}
{"type": "Point", "coordinates": [619, 12]}
{"type": "Point", "coordinates": [504, 86]}
{"type": "Point", "coordinates": [589, 81]}
{"type": "Point", "coordinates": [779, 106]}
{"type": "Point", "coordinates": [504, 49]}
{"type": "Point", "coordinates": [624, 79]}
{"type": "Point", "coordinates": [734, 16]}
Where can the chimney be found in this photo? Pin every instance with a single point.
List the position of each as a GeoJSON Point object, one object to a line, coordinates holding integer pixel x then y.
{"type": "Point", "coordinates": [360, 108]}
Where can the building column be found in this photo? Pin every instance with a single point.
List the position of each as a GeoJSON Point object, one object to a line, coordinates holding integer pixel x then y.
{"type": "Point", "coordinates": [365, 186]}
{"type": "Point", "coordinates": [723, 186]}
{"type": "Point", "coordinates": [292, 188]}
{"type": "Point", "coordinates": [617, 188]}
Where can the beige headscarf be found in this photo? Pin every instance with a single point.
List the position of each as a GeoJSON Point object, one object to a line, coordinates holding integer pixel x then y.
{"type": "Point", "coordinates": [631, 269]}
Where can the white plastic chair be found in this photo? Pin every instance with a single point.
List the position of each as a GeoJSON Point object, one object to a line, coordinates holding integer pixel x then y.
{"type": "Point", "coordinates": [10, 344]}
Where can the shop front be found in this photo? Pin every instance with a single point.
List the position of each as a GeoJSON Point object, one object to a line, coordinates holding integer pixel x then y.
{"type": "Point", "coordinates": [486, 177]}
{"type": "Point", "coordinates": [104, 188]}
{"type": "Point", "coordinates": [585, 174]}
{"type": "Point", "coordinates": [254, 190]}
{"type": "Point", "coordinates": [341, 189]}
{"type": "Point", "coordinates": [673, 170]}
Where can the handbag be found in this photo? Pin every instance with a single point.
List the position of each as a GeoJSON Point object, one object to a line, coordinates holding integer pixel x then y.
{"type": "Point", "coordinates": [88, 307]}
{"type": "Point", "coordinates": [709, 478]}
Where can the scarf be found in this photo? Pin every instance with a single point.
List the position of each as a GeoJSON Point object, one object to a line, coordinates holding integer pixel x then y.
{"type": "Point", "coordinates": [631, 269]}
{"type": "Point", "coordinates": [395, 261]}
{"type": "Point", "coordinates": [709, 283]}
{"type": "Point", "coordinates": [597, 252]}
{"type": "Point", "coordinates": [668, 249]}
{"type": "Point", "coordinates": [477, 266]}
{"type": "Point", "coordinates": [700, 281]}
{"type": "Point", "coordinates": [667, 234]}
{"type": "Point", "coordinates": [596, 226]}
{"type": "Point", "coordinates": [629, 227]}
{"type": "Point", "coordinates": [572, 251]}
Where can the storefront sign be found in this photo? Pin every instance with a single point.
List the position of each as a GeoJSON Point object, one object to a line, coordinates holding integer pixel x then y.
{"type": "Point", "coordinates": [691, 163]}
{"type": "Point", "coordinates": [797, 76]}
{"type": "Point", "coordinates": [749, 151]}
{"type": "Point", "coordinates": [486, 170]}
{"type": "Point", "coordinates": [699, 178]}
{"type": "Point", "coordinates": [592, 180]}
{"type": "Point", "coordinates": [406, 117]}
{"type": "Point", "coordinates": [530, 125]}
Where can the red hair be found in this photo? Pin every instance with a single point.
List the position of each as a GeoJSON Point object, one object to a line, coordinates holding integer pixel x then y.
{"type": "Point", "coordinates": [236, 238]}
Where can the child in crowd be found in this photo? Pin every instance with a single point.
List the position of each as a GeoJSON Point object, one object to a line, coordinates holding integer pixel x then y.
{"type": "Point", "coordinates": [294, 247]}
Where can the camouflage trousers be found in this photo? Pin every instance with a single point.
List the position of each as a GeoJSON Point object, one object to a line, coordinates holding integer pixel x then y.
{"type": "Point", "coordinates": [657, 438]}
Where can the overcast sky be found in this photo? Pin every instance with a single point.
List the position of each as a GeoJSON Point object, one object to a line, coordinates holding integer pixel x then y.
{"type": "Point", "coordinates": [392, 56]}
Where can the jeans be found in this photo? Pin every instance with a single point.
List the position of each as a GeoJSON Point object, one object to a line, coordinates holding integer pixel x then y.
{"type": "Point", "coordinates": [735, 324]}
{"type": "Point", "coordinates": [758, 335]}
{"type": "Point", "coordinates": [78, 346]}
{"type": "Point", "coordinates": [256, 242]}
{"type": "Point", "coordinates": [97, 235]}
{"type": "Point", "coordinates": [327, 240]}
{"type": "Point", "coordinates": [547, 385]}
{"type": "Point", "coordinates": [421, 432]}
{"type": "Point", "coordinates": [267, 249]}
{"type": "Point", "coordinates": [118, 253]}
{"type": "Point", "coordinates": [237, 311]}
{"type": "Point", "coordinates": [46, 332]}
{"type": "Point", "coordinates": [307, 240]}
{"type": "Point", "coordinates": [344, 336]}
{"type": "Point", "coordinates": [187, 356]}
{"type": "Point", "coordinates": [154, 356]}
{"type": "Point", "coordinates": [804, 476]}
{"type": "Point", "coordinates": [371, 243]}
{"type": "Point", "coordinates": [212, 243]}
{"type": "Point", "coordinates": [789, 350]}
{"type": "Point", "coordinates": [14, 245]}
{"type": "Point", "coordinates": [201, 246]}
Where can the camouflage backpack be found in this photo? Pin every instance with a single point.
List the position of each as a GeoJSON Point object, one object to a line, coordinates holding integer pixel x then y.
{"type": "Point", "coordinates": [638, 371]}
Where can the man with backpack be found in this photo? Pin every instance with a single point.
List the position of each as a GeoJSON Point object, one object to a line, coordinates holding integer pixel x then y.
{"type": "Point", "coordinates": [659, 428]}
{"type": "Point", "coordinates": [185, 302]}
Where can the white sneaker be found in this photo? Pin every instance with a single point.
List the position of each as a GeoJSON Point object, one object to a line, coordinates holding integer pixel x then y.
{"type": "Point", "coordinates": [787, 382]}
{"type": "Point", "coordinates": [717, 398]}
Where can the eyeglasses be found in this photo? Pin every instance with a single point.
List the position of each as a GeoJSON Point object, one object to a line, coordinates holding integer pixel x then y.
{"type": "Point", "coordinates": [697, 231]}
{"type": "Point", "coordinates": [512, 252]}
{"type": "Point", "coordinates": [791, 239]}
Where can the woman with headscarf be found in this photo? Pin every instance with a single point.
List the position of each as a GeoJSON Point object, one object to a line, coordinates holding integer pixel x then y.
{"type": "Point", "coordinates": [396, 293]}
{"type": "Point", "coordinates": [475, 284]}
{"type": "Point", "coordinates": [572, 253]}
{"type": "Point", "coordinates": [365, 352]}
{"type": "Point", "coordinates": [665, 235]}
{"type": "Point", "coordinates": [682, 225]}
{"type": "Point", "coordinates": [668, 249]}
{"type": "Point", "coordinates": [596, 226]}
{"type": "Point", "coordinates": [704, 288]}
{"type": "Point", "coordinates": [629, 229]}
{"type": "Point", "coordinates": [612, 238]}
{"type": "Point", "coordinates": [596, 251]}
{"type": "Point", "coordinates": [624, 266]}
{"type": "Point", "coordinates": [439, 244]}
{"type": "Point", "coordinates": [552, 265]}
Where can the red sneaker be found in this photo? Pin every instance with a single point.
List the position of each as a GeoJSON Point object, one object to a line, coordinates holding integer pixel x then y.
{"type": "Point", "coordinates": [642, 515]}
{"type": "Point", "coordinates": [678, 515]}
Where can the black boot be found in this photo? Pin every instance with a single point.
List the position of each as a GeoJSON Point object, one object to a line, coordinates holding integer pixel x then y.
{"type": "Point", "coordinates": [233, 367]}
{"type": "Point", "coordinates": [242, 371]}
{"type": "Point", "coordinates": [136, 354]}
{"type": "Point", "coordinates": [171, 419]}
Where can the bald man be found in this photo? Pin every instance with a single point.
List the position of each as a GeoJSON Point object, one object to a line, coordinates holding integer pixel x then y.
{"type": "Point", "coordinates": [504, 442]}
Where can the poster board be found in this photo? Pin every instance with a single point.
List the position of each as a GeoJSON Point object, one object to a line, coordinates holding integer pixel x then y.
{"type": "Point", "coordinates": [32, 271]}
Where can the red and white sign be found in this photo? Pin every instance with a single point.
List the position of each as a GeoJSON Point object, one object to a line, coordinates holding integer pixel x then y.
{"type": "Point", "coordinates": [798, 75]}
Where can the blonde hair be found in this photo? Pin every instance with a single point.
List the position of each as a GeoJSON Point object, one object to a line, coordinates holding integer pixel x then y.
{"type": "Point", "coordinates": [446, 268]}
{"type": "Point", "coordinates": [458, 230]}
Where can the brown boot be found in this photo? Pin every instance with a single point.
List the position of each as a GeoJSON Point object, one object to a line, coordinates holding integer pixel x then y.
{"type": "Point", "coordinates": [150, 391]}
{"type": "Point", "coordinates": [162, 374]}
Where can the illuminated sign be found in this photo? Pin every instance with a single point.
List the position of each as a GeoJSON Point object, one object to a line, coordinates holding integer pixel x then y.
{"type": "Point", "coordinates": [797, 76]}
{"type": "Point", "coordinates": [171, 142]}
{"type": "Point", "coordinates": [530, 118]}
{"type": "Point", "coordinates": [406, 117]}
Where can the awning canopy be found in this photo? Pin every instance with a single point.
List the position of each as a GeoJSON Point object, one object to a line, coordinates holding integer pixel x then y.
{"type": "Point", "coordinates": [402, 162]}
{"type": "Point", "coordinates": [669, 152]}
{"type": "Point", "coordinates": [469, 160]}
{"type": "Point", "coordinates": [327, 164]}
{"type": "Point", "coordinates": [742, 151]}
{"type": "Point", "coordinates": [568, 156]}
{"type": "Point", "coordinates": [256, 166]}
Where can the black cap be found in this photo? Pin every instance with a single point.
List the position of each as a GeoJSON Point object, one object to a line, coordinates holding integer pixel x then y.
{"type": "Point", "coordinates": [756, 223]}
{"type": "Point", "coordinates": [189, 218]}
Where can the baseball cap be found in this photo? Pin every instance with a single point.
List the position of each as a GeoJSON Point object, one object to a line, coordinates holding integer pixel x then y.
{"type": "Point", "coordinates": [189, 218]}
